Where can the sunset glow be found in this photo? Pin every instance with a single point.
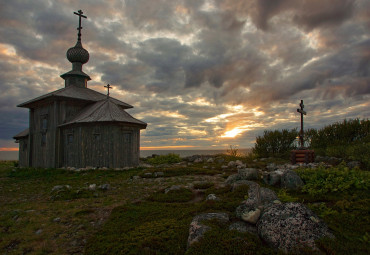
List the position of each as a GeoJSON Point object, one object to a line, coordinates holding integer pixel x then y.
{"type": "Point", "coordinates": [202, 74]}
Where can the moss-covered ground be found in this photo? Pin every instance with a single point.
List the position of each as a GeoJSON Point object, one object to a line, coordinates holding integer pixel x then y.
{"type": "Point", "coordinates": [137, 217]}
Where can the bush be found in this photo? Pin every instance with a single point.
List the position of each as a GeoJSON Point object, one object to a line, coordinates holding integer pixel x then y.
{"type": "Point", "coordinates": [165, 159]}
{"type": "Point", "coordinates": [349, 139]}
{"type": "Point", "coordinates": [339, 179]}
{"type": "Point", "coordinates": [275, 143]}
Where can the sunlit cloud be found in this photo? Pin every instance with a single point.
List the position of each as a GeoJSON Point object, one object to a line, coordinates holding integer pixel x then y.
{"type": "Point", "coordinates": [200, 73]}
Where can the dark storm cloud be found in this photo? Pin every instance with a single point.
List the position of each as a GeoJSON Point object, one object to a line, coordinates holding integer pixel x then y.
{"type": "Point", "coordinates": [184, 64]}
{"type": "Point", "coordinates": [319, 13]}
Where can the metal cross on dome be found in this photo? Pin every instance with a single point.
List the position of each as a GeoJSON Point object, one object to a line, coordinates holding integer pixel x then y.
{"type": "Point", "coordinates": [302, 112]}
{"type": "Point", "coordinates": [79, 13]}
{"type": "Point", "coordinates": [108, 87]}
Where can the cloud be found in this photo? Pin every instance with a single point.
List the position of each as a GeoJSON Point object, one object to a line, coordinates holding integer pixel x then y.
{"type": "Point", "coordinates": [195, 70]}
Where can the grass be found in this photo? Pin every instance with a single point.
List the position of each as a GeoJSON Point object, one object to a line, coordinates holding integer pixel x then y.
{"type": "Point", "coordinates": [137, 217]}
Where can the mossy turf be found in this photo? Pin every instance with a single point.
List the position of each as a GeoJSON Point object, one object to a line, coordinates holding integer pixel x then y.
{"type": "Point", "coordinates": [137, 217]}
{"type": "Point", "coordinates": [162, 228]}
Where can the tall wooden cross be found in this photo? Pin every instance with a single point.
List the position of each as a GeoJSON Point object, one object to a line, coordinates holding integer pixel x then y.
{"type": "Point", "coordinates": [302, 112]}
{"type": "Point", "coordinates": [79, 13]}
{"type": "Point", "coordinates": [108, 87]}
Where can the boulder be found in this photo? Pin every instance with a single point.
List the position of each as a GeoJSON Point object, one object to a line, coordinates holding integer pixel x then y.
{"type": "Point", "coordinates": [250, 209]}
{"type": "Point", "coordinates": [105, 186]}
{"type": "Point", "coordinates": [251, 216]}
{"type": "Point", "coordinates": [243, 227]}
{"type": "Point", "coordinates": [212, 197]}
{"type": "Point", "coordinates": [198, 228]}
{"type": "Point", "coordinates": [271, 167]}
{"type": "Point", "coordinates": [210, 160]}
{"type": "Point", "coordinates": [231, 164]}
{"type": "Point", "coordinates": [92, 187]}
{"type": "Point", "coordinates": [290, 226]}
{"type": "Point", "coordinates": [272, 178]}
{"type": "Point", "coordinates": [291, 180]}
{"type": "Point", "coordinates": [61, 187]}
{"type": "Point", "coordinates": [248, 174]}
{"type": "Point", "coordinates": [158, 174]}
{"type": "Point", "coordinates": [267, 196]}
{"type": "Point", "coordinates": [173, 187]}
{"type": "Point", "coordinates": [198, 160]}
{"type": "Point", "coordinates": [232, 178]}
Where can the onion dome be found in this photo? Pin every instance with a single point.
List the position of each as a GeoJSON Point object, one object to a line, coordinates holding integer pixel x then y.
{"type": "Point", "coordinates": [78, 54]}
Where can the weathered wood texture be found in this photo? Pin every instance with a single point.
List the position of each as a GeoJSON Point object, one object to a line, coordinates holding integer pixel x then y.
{"type": "Point", "coordinates": [96, 144]}
{"type": "Point", "coordinates": [101, 145]}
{"type": "Point", "coordinates": [302, 156]}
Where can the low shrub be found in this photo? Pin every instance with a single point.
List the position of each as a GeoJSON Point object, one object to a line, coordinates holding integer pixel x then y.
{"type": "Point", "coordinates": [165, 159]}
{"type": "Point", "coordinates": [275, 143]}
{"type": "Point", "coordinates": [321, 181]}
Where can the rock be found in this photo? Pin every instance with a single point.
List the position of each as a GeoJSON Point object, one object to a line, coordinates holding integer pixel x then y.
{"type": "Point", "coordinates": [224, 167]}
{"type": "Point", "coordinates": [243, 227]}
{"type": "Point", "coordinates": [288, 226]}
{"type": "Point", "coordinates": [142, 164]}
{"type": "Point", "coordinates": [272, 178]}
{"type": "Point", "coordinates": [92, 186]}
{"type": "Point", "coordinates": [291, 180]}
{"type": "Point", "coordinates": [232, 178]}
{"type": "Point", "coordinates": [248, 174]}
{"type": "Point", "coordinates": [198, 228]}
{"type": "Point", "coordinates": [231, 164]}
{"type": "Point", "coordinates": [38, 232]}
{"type": "Point", "coordinates": [239, 164]}
{"type": "Point", "coordinates": [353, 164]}
{"type": "Point", "coordinates": [198, 160]}
{"type": "Point", "coordinates": [105, 186]}
{"type": "Point", "coordinates": [57, 219]}
{"type": "Point", "coordinates": [61, 187]}
{"type": "Point", "coordinates": [250, 209]}
{"type": "Point", "coordinates": [212, 197]}
{"type": "Point", "coordinates": [173, 187]}
{"type": "Point", "coordinates": [251, 216]}
{"type": "Point", "coordinates": [158, 174]}
{"type": "Point", "coordinates": [267, 196]}
{"type": "Point", "coordinates": [271, 167]}
{"type": "Point", "coordinates": [210, 160]}
{"type": "Point", "coordinates": [146, 175]}
{"type": "Point", "coordinates": [136, 177]}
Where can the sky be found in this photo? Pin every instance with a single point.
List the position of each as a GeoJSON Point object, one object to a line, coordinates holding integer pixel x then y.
{"type": "Point", "coordinates": [204, 74]}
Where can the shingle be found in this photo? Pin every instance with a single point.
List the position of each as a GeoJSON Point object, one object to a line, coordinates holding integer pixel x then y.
{"type": "Point", "coordinates": [24, 133]}
{"type": "Point", "coordinates": [106, 110]}
{"type": "Point", "coordinates": [74, 92]}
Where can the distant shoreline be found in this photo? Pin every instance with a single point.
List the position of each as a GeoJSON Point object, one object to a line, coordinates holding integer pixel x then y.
{"type": "Point", "coordinates": [13, 155]}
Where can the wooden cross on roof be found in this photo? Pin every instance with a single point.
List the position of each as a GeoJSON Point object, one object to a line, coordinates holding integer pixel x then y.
{"type": "Point", "coordinates": [79, 13]}
{"type": "Point", "coordinates": [302, 112]}
{"type": "Point", "coordinates": [108, 87]}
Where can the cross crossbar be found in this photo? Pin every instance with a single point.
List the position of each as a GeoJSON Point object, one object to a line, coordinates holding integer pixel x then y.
{"type": "Point", "coordinates": [79, 14]}
{"type": "Point", "coordinates": [108, 87]}
{"type": "Point", "coordinates": [302, 112]}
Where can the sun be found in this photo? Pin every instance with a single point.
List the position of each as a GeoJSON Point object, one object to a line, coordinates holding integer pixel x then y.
{"type": "Point", "coordinates": [232, 133]}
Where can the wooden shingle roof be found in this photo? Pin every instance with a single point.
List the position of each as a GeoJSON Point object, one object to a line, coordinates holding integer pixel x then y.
{"type": "Point", "coordinates": [77, 93]}
{"type": "Point", "coordinates": [22, 134]}
{"type": "Point", "coordinates": [106, 110]}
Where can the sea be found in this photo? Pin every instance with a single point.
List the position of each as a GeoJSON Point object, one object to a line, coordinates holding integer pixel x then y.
{"type": "Point", "coordinates": [13, 155]}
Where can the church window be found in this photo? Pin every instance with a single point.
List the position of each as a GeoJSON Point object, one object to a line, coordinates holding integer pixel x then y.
{"type": "Point", "coordinates": [96, 137]}
{"type": "Point", "coordinates": [70, 138]}
{"type": "Point", "coordinates": [43, 139]}
{"type": "Point", "coordinates": [44, 122]}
